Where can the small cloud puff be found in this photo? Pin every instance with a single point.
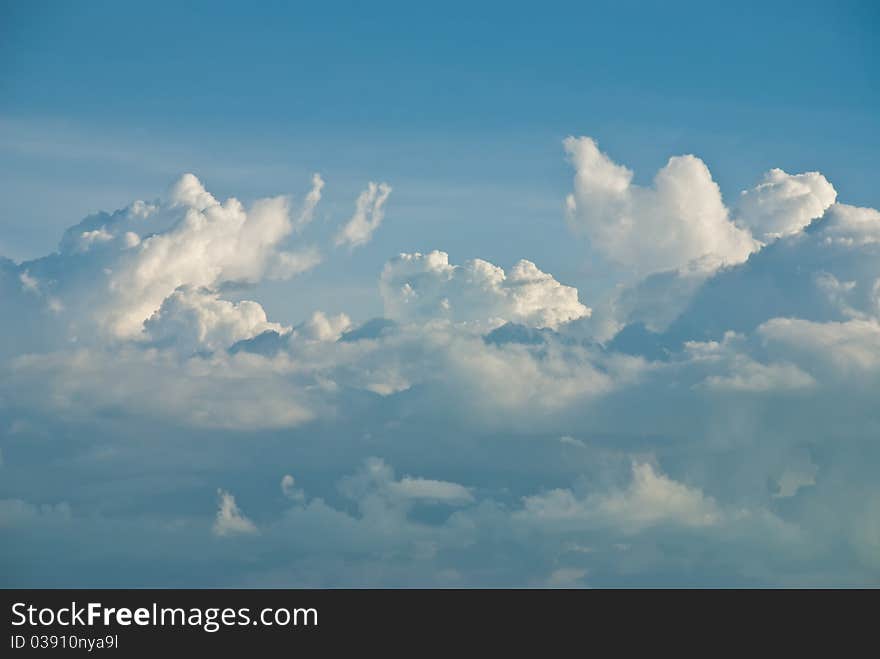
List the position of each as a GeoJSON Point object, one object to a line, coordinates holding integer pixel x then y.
{"type": "Point", "coordinates": [196, 319]}
{"type": "Point", "coordinates": [289, 489]}
{"type": "Point", "coordinates": [230, 520]}
{"type": "Point", "coordinates": [419, 287]}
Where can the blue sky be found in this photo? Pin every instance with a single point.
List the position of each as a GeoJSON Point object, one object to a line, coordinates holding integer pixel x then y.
{"type": "Point", "coordinates": [478, 93]}
{"type": "Point", "coordinates": [642, 386]}
{"type": "Point", "coordinates": [464, 104]}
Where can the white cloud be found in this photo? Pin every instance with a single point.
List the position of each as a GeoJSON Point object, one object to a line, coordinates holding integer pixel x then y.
{"type": "Point", "coordinates": [768, 429]}
{"type": "Point", "coordinates": [194, 320]}
{"type": "Point", "coordinates": [783, 204]}
{"type": "Point", "coordinates": [651, 499]}
{"type": "Point", "coordinates": [851, 225]}
{"type": "Point", "coordinates": [368, 215]}
{"type": "Point", "coordinates": [211, 244]}
{"type": "Point", "coordinates": [680, 219]}
{"type": "Point", "coordinates": [321, 327]}
{"type": "Point", "coordinates": [418, 287]}
{"type": "Point", "coordinates": [230, 520]}
{"type": "Point", "coordinates": [425, 489]}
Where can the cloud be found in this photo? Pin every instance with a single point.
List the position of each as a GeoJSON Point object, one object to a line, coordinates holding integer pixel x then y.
{"type": "Point", "coordinates": [114, 271]}
{"type": "Point", "coordinates": [752, 382]}
{"type": "Point", "coordinates": [230, 520]}
{"type": "Point", "coordinates": [739, 372]}
{"type": "Point", "coordinates": [680, 219]}
{"type": "Point", "coordinates": [376, 480]}
{"type": "Point", "coordinates": [368, 215]}
{"type": "Point", "coordinates": [307, 213]}
{"type": "Point", "coordinates": [213, 243]}
{"type": "Point", "coordinates": [289, 489]}
{"type": "Point", "coordinates": [650, 499]}
{"type": "Point", "coordinates": [194, 320]}
{"type": "Point", "coordinates": [827, 272]}
{"type": "Point", "coordinates": [418, 286]}
{"type": "Point", "coordinates": [425, 489]}
{"type": "Point", "coordinates": [321, 327]}
{"type": "Point", "coordinates": [566, 577]}
{"type": "Point", "coordinates": [795, 477]}
{"type": "Point", "coordinates": [783, 204]}
{"type": "Point", "coordinates": [851, 226]}
{"type": "Point", "coordinates": [221, 391]}
{"type": "Point", "coordinates": [669, 239]}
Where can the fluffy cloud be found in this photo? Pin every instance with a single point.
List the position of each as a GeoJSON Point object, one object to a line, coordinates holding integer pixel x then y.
{"type": "Point", "coordinates": [321, 327]}
{"type": "Point", "coordinates": [417, 286]}
{"type": "Point", "coordinates": [782, 204]}
{"type": "Point", "coordinates": [680, 219]}
{"type": "Point", "coordinates": [132, 382]}
{"type": "Point", "coordinates": [213, 243]}
{"type": "Point", "coordinates": [194, 320]}
{"type": "Point", "coordinates": [113, 272]}
{"type": "Point", "coordinates": [852, 226]}
{"type": "Point", "coordinates": [678, 233]}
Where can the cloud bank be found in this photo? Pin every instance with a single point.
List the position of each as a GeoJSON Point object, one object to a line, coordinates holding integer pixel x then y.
{"type": "Point", "coordinates": [717, 403]}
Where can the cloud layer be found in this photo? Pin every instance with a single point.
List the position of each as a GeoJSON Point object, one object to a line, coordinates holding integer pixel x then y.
{"type": "Point", "coordinates": [713, 421]}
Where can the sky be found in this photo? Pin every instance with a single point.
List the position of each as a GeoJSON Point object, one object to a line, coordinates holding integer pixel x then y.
{"type": "Point", "coordinates": [346, 294]}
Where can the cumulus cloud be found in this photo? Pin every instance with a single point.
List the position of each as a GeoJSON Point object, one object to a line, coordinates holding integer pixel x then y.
{"type": "Point", "coordinates": [851, 226]}
{"type": "Point", "coordinates": [194, 320]}
{"type": "Point", "coordinates": [752, 382]}
{"type": "Point", "coordinates": [783, 204]}
{"type": "Point", "coordinates": [680, 219]}
{"type": "Point", "coordinates": [230, 520]}
{"type": "Point", "coordinates": [670, 238]}
{"type": "Point", "coordinates": [321, 327]}
{"type": "Point", "coordinates": [851, 347]}
{"type": "Point", "coordinates": [418, 286]}
{"type": "Point", "coordinates": [368, 215]}
{"type": "Point", "coordinates": [650, 499]}
{"type": "Point", "coordinates": [148, 263]}
{"type": "Point", "coordinates": [211, 244]}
